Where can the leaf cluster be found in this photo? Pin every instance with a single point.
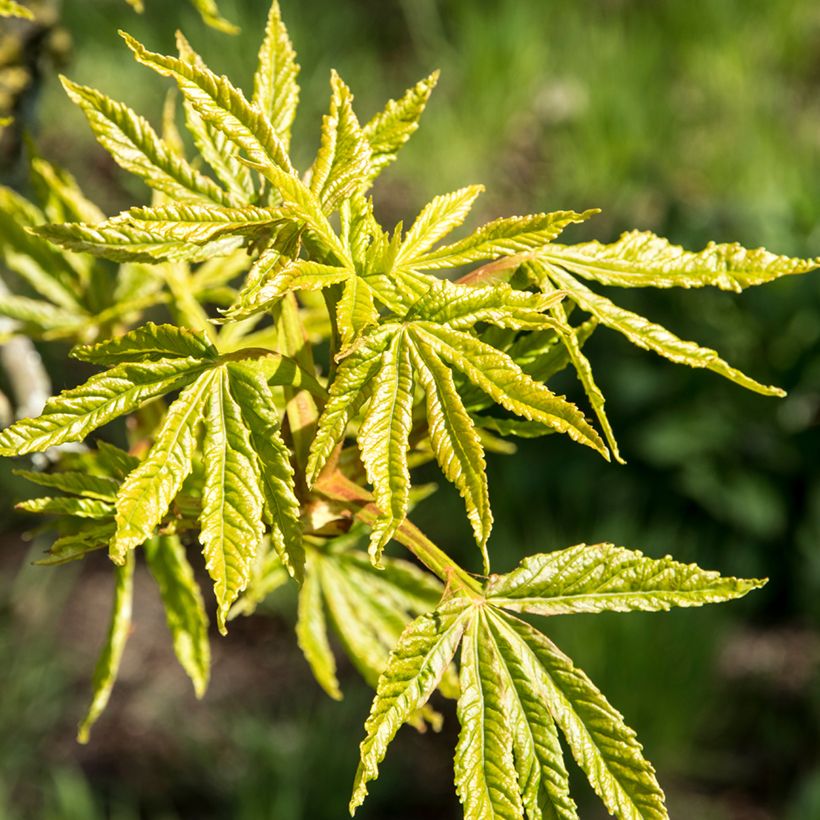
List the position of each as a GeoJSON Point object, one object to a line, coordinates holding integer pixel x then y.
{"type": "Point", "coordinates": [282, 363]}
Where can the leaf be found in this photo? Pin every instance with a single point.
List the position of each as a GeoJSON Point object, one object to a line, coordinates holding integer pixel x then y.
{"type": "Point", "coordinates": [485, 772]}
{"type": "Point", "coordinates": [74, 413]}
{"type": "Point", "coordinates": [116, 462]}
{"type": "Point", "coordinates": [232, 502]}
{"type": "Point", "coordinates": [44, 268]}
{"type": "Point", "coordinates": [78, 507]}
{"type": "Point", "coordinates": [355, 310]}
{"type": "Point", "coordinates": [543, 780]}
{"type": "Point", "coordinates": [148, 343]}
{"type": "Point", "coordinates": [509, 235]}
{"type": "Point", "coordinates": [344, 153]}
{"type": "Point", "coordinates": [76, 483]}
{"type": "Point", "coordinates": [197, 224]}
{"type": "Point", "coordinates": [413, 672]}
{"type": "Point", "coordinates": [124, 242]}
{"type": "Point", "coordinates": [217, 101]}
{"type": "Point", "coordinates": [461, 307]}
{"type": "Point", "coordinates": [64, 200]}
{"type": "Point", "coordinates": [642, 259]}
{"type": "Point", "coordinates": [273, 275]}
{"type": "Point", "coordinates": [91, 536]}
{"type": "Point", "coordinates": [498, 376]}
{"type": "Point", "coordinates": [108, 664]}
{"type": "Point", "coordinates": [602, 744]}
{"type": "Point", "coordinates": [40, 316]}
{"type": "Point", "coordinates": [148, 491]}
{"type": "Point", "coordinates": [391, 128]}
{"type": "Point", "coordinates": [646, 334]}
{"type": "Point", "coordinates": [136, 148]}
{"type": "Point", "coordinates": [311, 633]}
{"type": "Point", "coordinates": [438, 218]}
{"type": "Point", "coordinates": [455, 442]}
{"type": "Point", "coordinates": [384, 440]}
{"type": "Point", "coordinates": [368, 609]}
{"type": "Point", "coordinates": [605, 577]}
{"type": "Point", "coordinates": [282, 508]}
{"type": "Point", "coordinates": [583, 369]}
{"type": "Point", "coordinates": [184, 608]}
{"type": "Point", "coordinates": [352, 378]}
{"type": "Point", "coordinates": [221, 154]}
{"type": "Point", "coordinates": [275, 90]}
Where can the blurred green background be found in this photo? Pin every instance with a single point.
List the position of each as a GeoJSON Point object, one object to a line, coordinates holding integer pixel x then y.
{"type": "Point", "coordinates": [699, 120]}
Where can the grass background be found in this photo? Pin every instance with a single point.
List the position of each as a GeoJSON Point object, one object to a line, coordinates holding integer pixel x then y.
{"type": "Point", "coordinates": [698, 120]}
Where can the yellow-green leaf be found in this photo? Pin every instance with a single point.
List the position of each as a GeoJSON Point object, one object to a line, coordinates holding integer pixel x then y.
{"type": "Point", "coordinates": [74, 413]}
{"type": "Point", "coordinates": [275, 89]}
{"type": "Point", "coordinates": [642, 259]}
{"type": "Point", "coordinates": [599, 577]}
{"type": "Point", "coordinates": [231, 528]}
{"type": "Point", "coordinates": [148, 491]}
{"type": "Point", "coordinates": [650, 336]}
{"type": "Point", "coordinates": [184, 607]}
{"type": "Point", "coordinates": [135, 146]}
{"type": "Point", "coordinates": [108, 664]}
{"type": "Point", "coordinates": [384, 440]}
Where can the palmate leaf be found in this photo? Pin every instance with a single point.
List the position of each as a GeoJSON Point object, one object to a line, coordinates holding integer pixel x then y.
{"type": "Point", "coordinates": [392, 358]}
{"type": "Point", "coordinates": [518, 689]}
{"type": "Point", "coordinates": [248, 478]}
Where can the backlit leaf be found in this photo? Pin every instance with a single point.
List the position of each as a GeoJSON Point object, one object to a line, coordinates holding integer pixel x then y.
{"type": "Point", "coordinates": [393, 126]}
{"type": "Point", "coordinates": [416, 665]}
{"type": "Point", "coordinates": [232, 502]}
{"type": "Point", "coordinates": [274, 84]}
{"type": "Point", "coordinates": [642, 259]}
{"type": "Point", "coordinates": [650, 336]}
{"type": "Point", "coordinates": [184, 608]}
{"type": "Point", "coordinates": [108, 664]}
{"type": "Point", "coordinates": [74, 413]}
{"type": "Point", "coordinates": [149, 489]}
{"type": "Point", "coordinates": [603, 577]}
{"type": "Point", "coordinates": [135, 146]}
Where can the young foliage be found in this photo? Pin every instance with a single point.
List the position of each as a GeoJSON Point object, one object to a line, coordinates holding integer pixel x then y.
{"type": "Point", "coordinates": [302, 352]}
{"type": "Point", "coordinates": [517, 687]}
